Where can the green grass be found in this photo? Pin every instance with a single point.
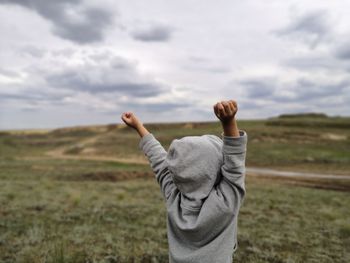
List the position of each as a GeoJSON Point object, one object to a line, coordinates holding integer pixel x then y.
{"type": "Point", "coordinates": [284, 224]}
{"type": "Point", "coordinates": [48, 220]}
{"type": "Point", "coordinates": [63, 169]}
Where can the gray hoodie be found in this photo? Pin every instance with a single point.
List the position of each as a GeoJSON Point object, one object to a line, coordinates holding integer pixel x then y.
{"type": "Point", "coordinates": [202, 181]}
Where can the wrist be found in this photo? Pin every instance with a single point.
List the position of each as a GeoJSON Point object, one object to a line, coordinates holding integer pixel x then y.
{"type": "Point", "coordinates": [230, 127]}
{"type": "Point", "coordinates": [229, 122]}
{"type": "Point", "coordinates": [142, 131]}
{"type": "Point", "coordinates": [138, 126]}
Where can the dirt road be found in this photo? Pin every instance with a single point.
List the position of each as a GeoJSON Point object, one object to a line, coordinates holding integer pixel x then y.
{"type": "Point", "coordinates": [271, 172]}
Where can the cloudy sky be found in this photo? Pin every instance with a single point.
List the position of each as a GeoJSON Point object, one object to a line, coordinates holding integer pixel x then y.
{"type": "Point", "coordinates": [76, 62]}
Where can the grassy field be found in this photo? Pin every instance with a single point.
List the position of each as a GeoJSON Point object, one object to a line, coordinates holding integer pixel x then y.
{"type": "Point", "coordinates": [68, 195]}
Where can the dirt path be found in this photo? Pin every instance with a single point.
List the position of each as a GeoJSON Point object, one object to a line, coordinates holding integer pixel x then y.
{"type": "Point", "coordinates": [250, 170]}
{"type": "Point", "coordinates": [278, 173]}
{"type": "Point", "coordinates": [59, 153]}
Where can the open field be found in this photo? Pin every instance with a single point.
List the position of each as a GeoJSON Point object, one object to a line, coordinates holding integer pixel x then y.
{"type": "Point", "coordinates": [304, 144]}
{"type": "Point", "coordinates": [85, 194]}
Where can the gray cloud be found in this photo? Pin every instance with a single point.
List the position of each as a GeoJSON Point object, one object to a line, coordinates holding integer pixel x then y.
{"type": "Point", "coordinates": [311, 28]}
{"type": "Point", "coordinates": [300, 91]}
{"type": "Point", "coordinates": [197, 63]}
{"type": "Point", "coordinates": [313, 63]}
{"type": "Point", "coordinates": [105, 74]}
{"type": "Point", "coordinates": [156, 106]}
{"type": "Point", "coordinates": [29, 109]}
{"type": "Point", "coordinates": [34, 97]}
{"type": "Point", "coordinates": [79, 80]}
{"type": "Point", "coordinates": [152, 33]}
{"type": "Point", "coordinates": [259, 88]}
{"type": "Point", "coordinates": [100, 81]}
{"type": "Point", "coordinates": [33, 51]}
{"type": "Point", "coordinates": [248, 105]}
{"type": "Point", "coordinates": [208, 68]}
{"type": "Point", "coordinates": [309, 90]}
{"type": "Point", "coordinates": [70, 19]}
{"type": "Point", "coordinates": [8, 73]}
{"type": "Point", "coordinates": [343, 52]}
{"type": "Point", "coordinates": [64, 52]}
{"type": "Point", "coordinates": [335, 61]}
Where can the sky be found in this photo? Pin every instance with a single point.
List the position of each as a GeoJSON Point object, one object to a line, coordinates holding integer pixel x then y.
{"type": "Point", "coordinates": [76, 62]}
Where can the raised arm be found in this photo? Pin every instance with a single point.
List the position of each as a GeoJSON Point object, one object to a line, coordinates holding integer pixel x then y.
{"type": "Point", "coordinates": [232, 185]}
{"type": "Point", "coordinates": [155, 153]}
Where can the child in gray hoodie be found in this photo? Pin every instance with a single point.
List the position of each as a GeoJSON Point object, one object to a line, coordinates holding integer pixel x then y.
{"type": "Point", "coordinates": [202, 182]}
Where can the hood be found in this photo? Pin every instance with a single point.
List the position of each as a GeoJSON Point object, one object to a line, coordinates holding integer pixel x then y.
{"type": "Point", "coordinates": [194, 163]}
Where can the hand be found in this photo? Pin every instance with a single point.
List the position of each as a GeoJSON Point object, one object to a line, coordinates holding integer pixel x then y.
{"type": "Point", "coordinates": [225, 110]}
{"type": "Point", "coordinates": [131, 120]}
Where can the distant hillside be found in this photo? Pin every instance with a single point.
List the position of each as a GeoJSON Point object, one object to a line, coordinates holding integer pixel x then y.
{"type": "Point", "coordinates": [303, 115]}
{"type": "Point", "coordinates": [297, 120]}
{"type": "Point", "coordinates": [309, 120]}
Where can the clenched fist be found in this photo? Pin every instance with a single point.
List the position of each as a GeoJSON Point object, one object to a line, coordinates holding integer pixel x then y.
{"type": "Point", "coordinates": [225, 110]}
{"type": "Point", "coordinates": [131, 120]}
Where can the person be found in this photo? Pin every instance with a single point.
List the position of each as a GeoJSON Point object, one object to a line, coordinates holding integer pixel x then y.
{"type": "Point", "coordinates": [202, 181]}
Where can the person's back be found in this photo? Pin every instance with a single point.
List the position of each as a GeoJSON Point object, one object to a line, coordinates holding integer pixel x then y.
{"type": "Point", "coordinates": [202, 181]}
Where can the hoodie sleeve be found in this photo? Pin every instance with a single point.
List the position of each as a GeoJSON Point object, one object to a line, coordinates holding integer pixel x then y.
{"type": "Point", "coordinates": [156, 155]}
{"type": "Point", "coordinates": [232, 186]}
